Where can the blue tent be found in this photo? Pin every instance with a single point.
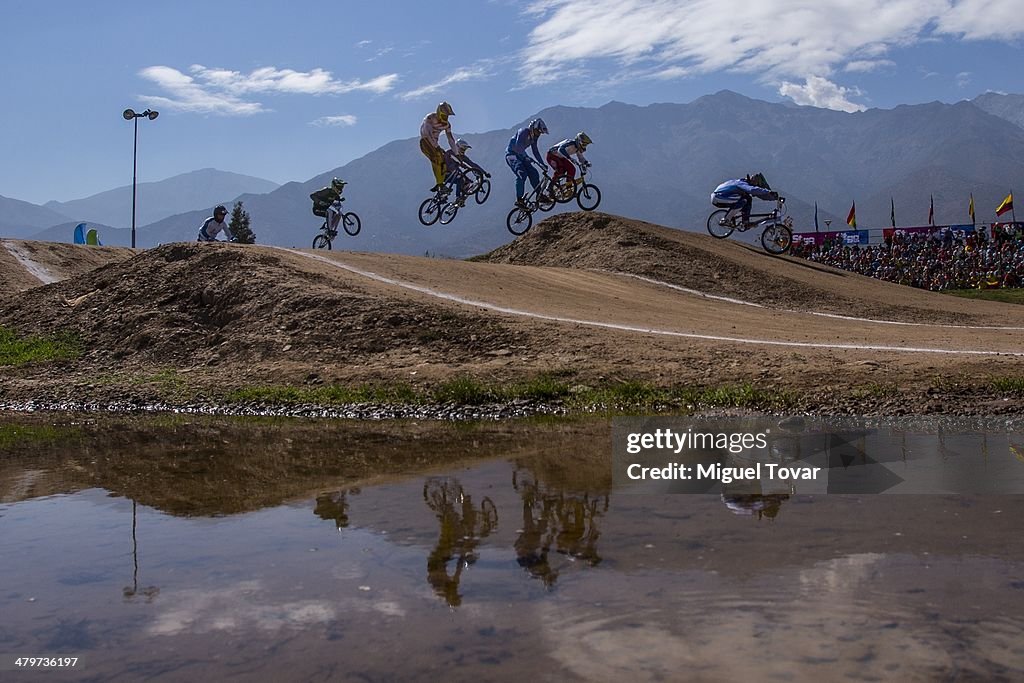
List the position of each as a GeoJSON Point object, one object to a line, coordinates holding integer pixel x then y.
{"type": "Point", "coordinates": [80, 233]}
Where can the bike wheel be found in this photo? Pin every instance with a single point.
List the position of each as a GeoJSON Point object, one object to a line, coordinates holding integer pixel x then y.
{"type": "Point", "coordinates": [321, 242]}
{"type": "Point", "coordinates": [715, 226]}
{"type": "Point", "coordinates": [484, 191]}
{"type": "Point", "coordinates": [351, 223]}
{"type": "Point", "coordinates": [588, 197]}
{"type": "Point", "coordinates": [448, 213]}
{"type": "Point", "coordinates": [776, 239]}
{"type": "Point", "coordinates": [430, 211]}
{"type": "Point", "coordinates": [519, 221]}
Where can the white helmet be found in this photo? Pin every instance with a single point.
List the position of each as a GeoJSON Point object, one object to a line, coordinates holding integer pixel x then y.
{"type": "Point", "coordinates": [462, 145]}
{"type": "Point", "coordinates": [538, 126]}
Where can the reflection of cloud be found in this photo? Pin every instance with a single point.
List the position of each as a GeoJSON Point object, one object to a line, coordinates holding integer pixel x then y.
{"type": "Point", "coordinates": [222, 91]}
{"type": "Point", "coordinates": [236, 608]}
{"type": "Point", "coordinates": [774, 39]}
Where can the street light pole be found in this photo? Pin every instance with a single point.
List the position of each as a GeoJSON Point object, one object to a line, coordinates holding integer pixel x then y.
{"type": "Point", "coordinates": [130, 115]}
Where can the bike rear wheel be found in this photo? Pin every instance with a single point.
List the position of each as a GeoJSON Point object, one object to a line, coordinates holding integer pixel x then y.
{"type": "Point", "coordinates": [519, 221]}
{"type": "Point", "coordinates": [321, 242]}
{"type": "Point", "coordinates": [776, 239]}
{"type": "Point", "coordinates": [430, 211]}
{"type": "Point", "coordinates": [588, 197]}
{"type": "Point", "coordinates": [715, 226]}
{"type": "Point", "coordinates": [448, 213]}
{"type": "Point", "coordinates": [484, 191]}
{"type": "Point", "coordinates": [351, 223]}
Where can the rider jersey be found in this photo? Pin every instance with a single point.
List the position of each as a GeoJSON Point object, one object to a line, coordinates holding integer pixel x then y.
{"type": "Point", "coordinates": [737, 189]}
{"type": "Point", "coordinates": [565, 148]}
{"type": "Point", "coordinates": [520, 141]}
{"type": "Point", "coordinates": [453, 161]}
{"type": "Point", "coordinates": [431, 128]}
{"type": "Point", "coordinates": [211, 228]}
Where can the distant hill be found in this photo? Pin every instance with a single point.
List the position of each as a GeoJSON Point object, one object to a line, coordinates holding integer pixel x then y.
{"type": "Point", "coordinates": [21, 219]}
{"type": "Point", "coordinates": [659, 163]}
{"type": "Point", "coordinates": [157, 200]}
{"type": "Point", "coordinates": [1009, 107]}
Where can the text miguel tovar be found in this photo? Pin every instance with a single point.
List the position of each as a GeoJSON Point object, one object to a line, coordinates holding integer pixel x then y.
{"type": "Point", "coordinates": [725, 475]}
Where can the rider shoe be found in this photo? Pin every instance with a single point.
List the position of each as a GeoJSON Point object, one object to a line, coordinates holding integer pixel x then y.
{"type": "Point", "coordinates": [521, 203]}
{"type": "Point", "coordinates": [435, 188]}
{"type": "Point", "coordinates": [460, 202]}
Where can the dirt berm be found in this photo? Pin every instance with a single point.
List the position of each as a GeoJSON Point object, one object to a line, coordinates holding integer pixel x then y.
{"type": "Point", "coordinates": [589, 298]}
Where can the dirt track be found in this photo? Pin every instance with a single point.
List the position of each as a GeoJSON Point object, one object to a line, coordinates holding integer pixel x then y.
{"type": "Point", "coordinates": [593, 298]}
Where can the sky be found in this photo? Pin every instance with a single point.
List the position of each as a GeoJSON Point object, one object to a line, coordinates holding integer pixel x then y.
{"type": "Point", "coordinates": [288, 90]}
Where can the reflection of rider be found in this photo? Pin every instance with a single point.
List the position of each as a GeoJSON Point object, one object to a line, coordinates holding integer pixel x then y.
{"type": "Point", "coordinates": [567, 521]}
{"type": "Point", "coordinates": [736, 194]}
{"type": "Point", "coordinates": [515, 157]}
{"type": "Point", "coordinates": [462, 530]}
{"type": "Point", "coordinates": [560, 156]}
{"type": "Point", "coordinates": [749, 504]}
{"type": "Point", "coordinates": [324, 199]}
{"type": "Point", "coordinates": [334, 506]}
{"type": "Point", "coordinates": [430, 134]}
{"type": "Point", "coordinates": [454, 161]}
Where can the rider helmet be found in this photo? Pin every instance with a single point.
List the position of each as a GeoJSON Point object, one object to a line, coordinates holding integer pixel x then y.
{"type": "Point", "coordinates": [219, 210]}
{"type": "Point", "coordinates": [444, 110]}
{"type": "Point", "coordinates": [338, 184]}
{"type": "Point", "coordinates": [461, 145]}
{"type": "Point", "coordinates": [538, 126]}
{"type": "Point", "coordinates": [582, 140]}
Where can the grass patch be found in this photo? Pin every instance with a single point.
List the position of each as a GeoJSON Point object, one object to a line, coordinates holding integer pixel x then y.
{"type": "Point", "coordinates": [15, 350]}
{"type": "Point", "coordinates": [611, 398]}
{"type": "Point", "coordinates": [1008, 385]}
{"type": "Point", "coordinates": [1007, 296]}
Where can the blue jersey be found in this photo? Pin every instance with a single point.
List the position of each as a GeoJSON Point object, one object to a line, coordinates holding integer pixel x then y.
{"type": "Point", "coordinates": [737, 189]}
{"type": "Point", "coordinates": [519, 143]}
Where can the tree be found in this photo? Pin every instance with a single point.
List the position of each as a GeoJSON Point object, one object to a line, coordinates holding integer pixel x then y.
{"type": "Point", "coordinates": [239, 225]}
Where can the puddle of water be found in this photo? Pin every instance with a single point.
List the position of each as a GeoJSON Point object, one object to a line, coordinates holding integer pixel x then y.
{"type": "Point", "coordinates": [184, 549]}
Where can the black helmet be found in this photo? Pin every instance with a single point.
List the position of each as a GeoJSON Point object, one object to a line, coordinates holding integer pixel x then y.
{"type": "Point", "coordinates": [219, 209]}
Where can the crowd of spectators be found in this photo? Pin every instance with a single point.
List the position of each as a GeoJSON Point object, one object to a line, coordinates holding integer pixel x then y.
{"type": "Point", "coordinates": [940, 260]}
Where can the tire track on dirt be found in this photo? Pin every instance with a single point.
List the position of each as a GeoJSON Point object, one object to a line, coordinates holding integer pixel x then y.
{"type": "Point", "coordinates": [633, 328]}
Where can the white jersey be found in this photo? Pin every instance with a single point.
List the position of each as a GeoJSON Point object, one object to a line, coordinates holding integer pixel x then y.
{"type": "Point", "coordinates": [211, 228]}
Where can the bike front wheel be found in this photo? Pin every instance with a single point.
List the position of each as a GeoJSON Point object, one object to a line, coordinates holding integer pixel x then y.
{"type": "Point", "coordinates": [717, 226]}
{"type": "Point", "coordinates": [321, 242]}
{"type": "Point", "coordinates": [351, 223]}
{"type": "Point", "coordinates": [776, 239]}
{"type": "Point", "coordinates": [430, 211]}
{"type": "Point", "coordinates": [519, 221]}
{"type": "Point", "coordinates": [484, 191]}
{"type": "Point", "coordinates": [448, 213]}
{"type": "Point", "coordinates": [588, 197]}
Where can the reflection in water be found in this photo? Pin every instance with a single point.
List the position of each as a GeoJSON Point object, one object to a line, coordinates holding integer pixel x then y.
{"type": "Point", "coordinates": [463, 526]}
{"type": "Point", "coordinates": [334, 506]}
{"type": "Point", "coordinates": [551, 515]}
{"type": "Point", "coordinates": [129, 592]}
{"type": "Point", "coordinates": [751, 504]}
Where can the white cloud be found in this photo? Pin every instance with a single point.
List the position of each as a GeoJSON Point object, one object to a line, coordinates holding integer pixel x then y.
{"type": "Point", "coordinates": [821, 92]}
{"type": "Point", "coordinates": [777, 40]}
{"type": "Point", "coordinates": [963, 79]}
{"type": "Point", "coordinates": [866, 65]}
{"type": "Point", "coordinates": [223, 91]}
{"type": "Point", "coordinates": [341, 120]}
{"type": "Point", "coordinates": [466, 73]}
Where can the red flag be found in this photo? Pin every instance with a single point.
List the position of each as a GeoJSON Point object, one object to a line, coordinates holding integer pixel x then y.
{"type": "Point", "coordinates": [851, 219]}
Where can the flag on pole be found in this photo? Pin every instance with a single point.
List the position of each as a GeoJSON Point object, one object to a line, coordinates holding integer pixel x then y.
{"type": "Point", "coordinates": [931, 210]}
{"type": "Point", "coordinates": [970, 209]}
{"type": "Point", "coordinates": [851, 219]}
{"type": "Point", "coordinates": [1007, 205]}
{"type": "Point", "coordinates": [815, 216]}
{"type": "Point", "coordinates": [892, 211]}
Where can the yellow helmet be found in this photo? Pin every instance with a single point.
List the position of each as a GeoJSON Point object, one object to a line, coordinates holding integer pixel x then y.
{"type": "Point", "coordinates": [444, 110]}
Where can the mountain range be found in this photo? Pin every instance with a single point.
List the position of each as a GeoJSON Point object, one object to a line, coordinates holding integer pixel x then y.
{"type": "Point", "coordinates": [660, 162]}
